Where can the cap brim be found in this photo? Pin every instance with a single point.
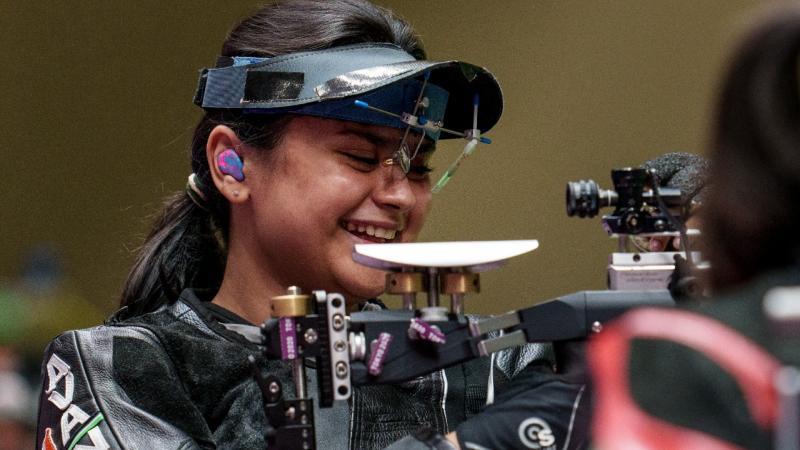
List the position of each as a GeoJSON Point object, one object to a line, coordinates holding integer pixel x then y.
{"type": "Point", "coordinates": [461, 80]}
{"type": "Point", "coordinates": [292, 81]}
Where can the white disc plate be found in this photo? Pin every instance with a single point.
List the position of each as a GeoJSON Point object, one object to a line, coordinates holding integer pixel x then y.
{"type": "Point", "coordinates": [441, 254]}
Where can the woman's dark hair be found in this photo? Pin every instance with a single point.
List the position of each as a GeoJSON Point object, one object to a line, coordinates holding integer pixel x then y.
{"type": "Point", "coordinates": [751, 216]}
{"type": "Point", "coordinates": [186, 246]}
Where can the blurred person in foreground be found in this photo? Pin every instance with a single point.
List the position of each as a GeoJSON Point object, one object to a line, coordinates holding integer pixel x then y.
{"type": "Point", "coordinates": [704, 379]}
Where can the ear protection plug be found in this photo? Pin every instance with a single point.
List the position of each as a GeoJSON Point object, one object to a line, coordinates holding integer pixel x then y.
{"type": "Point", "coordinates": [229, 163]}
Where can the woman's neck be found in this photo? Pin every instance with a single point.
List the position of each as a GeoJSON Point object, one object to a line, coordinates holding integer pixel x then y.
{"type": "Point", "coordinates": [247, 289]}
{"type": "Point", "coordinates": [236, 296]}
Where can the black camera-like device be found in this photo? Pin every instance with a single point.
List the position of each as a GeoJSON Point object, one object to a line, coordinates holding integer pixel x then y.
{"type": "Point", "coordinates": [640, 205]}
{"type": "Point", "coordinates": [642, 210]}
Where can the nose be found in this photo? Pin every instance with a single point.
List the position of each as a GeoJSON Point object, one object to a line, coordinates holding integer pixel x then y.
{"type": "Point", "coordinates": [394, 190]}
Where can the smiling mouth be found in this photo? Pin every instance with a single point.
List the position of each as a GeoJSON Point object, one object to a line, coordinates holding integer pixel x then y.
{"type": "Point", "coordinates": [370, 232]}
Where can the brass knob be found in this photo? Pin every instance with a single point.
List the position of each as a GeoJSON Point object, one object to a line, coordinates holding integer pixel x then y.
{"type": "Point", "coordinates": [459, 283]}
{"type": "Point", "coordinates": [404, 283]}
{"type": "Point", "coordinates": [291, 304]}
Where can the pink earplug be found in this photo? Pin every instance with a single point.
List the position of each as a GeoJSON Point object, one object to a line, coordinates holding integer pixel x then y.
{"type": "Point", "coordinates": [229, 163]}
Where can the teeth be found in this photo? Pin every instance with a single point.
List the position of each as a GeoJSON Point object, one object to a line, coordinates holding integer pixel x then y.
{"type": "Point", "coordinates": [372, 230]}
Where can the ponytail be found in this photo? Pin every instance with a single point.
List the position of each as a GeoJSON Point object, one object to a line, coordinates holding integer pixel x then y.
{"type": "Point", "coordinates": [180, 251]}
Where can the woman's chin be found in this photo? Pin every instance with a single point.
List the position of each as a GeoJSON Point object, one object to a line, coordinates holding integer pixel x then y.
{"type": "Point", "coordinates": [365, 293]}
{"type": "Point", "coordinates": [365, 287]}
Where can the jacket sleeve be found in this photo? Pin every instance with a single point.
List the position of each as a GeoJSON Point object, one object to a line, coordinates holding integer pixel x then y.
{"type": "Point", "coordinates": [98, 394]}
{"type": "Point", "coordinates": [536, 408]}
{"type": "Point", "coordinates": [540, 410]}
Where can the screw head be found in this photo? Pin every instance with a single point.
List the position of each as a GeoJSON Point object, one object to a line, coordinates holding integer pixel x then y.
{"type": "Point", "coordinates": [341, 369]}
{"type": "Point", "coordinates": [338, 322]}
{"type": "Point", "coordinates": [311, 336]}
{"type": "Point", "coordinates": [274, 388]}
{"type": "Point", "coordinates": [294, 290]}
{"type": "Point", "coordinates": [339, 346]}
{"type": "Point", "coordinates": [597, 327]}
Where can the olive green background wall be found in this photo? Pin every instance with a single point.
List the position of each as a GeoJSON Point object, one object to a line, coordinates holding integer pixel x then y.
{"type": "Point", "coordinates": [96, 117]}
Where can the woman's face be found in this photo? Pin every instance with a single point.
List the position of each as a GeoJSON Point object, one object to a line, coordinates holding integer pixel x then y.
{"type": "Point", "coordinates": [324, 189]}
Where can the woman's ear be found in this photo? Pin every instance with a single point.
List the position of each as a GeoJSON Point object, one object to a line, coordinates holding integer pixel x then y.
{"type": "Point", "coordinates": [226, 164]}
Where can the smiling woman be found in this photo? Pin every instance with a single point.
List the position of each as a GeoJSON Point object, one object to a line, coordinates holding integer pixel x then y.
{"type": "Point", "coordinates": [323, 188]}
{"type": "Point", "coordinates": [320, 117]}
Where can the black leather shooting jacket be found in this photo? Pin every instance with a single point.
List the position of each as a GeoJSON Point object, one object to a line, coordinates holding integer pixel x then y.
{"type": "Point", "coordinates": [177, 378]}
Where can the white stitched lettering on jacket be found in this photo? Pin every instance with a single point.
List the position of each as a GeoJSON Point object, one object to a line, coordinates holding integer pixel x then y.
{"type": "Point", "coordinates": [535, 433]}
{"type": "Point", "coordinates": [61, 390]}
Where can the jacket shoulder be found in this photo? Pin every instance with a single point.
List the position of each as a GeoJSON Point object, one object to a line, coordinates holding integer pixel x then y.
{"type": "Point", "coordinates": [84, 403]}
